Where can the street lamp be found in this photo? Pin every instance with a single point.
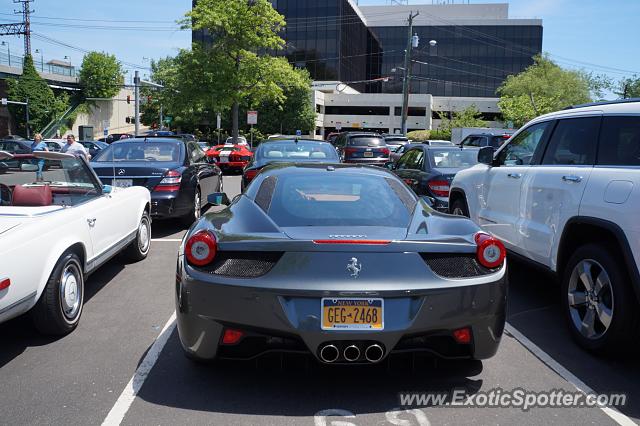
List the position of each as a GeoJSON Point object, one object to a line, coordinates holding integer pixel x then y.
{"type": "Point", "coordinates": [41, 59]}
{"type": "Point", "coordinates": [4, 43]}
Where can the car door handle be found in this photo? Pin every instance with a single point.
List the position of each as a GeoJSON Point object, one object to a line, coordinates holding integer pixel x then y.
{"type": "Point", "coordinates": [91, 222]}
{"type": "Point", "coordinates": [515, 175]}
{"type": "Point", "coordinates": [572, 178]}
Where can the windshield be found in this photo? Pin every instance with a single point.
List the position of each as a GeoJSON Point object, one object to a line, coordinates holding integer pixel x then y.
{"type": "Point", "coordinates": [140, 151]}
{"type": "Point", "coordinates": [33, 182]}
{"type": "Point", "coordinates": [296, 151]}
{"type": "Point", "coordinates": [338, 200]}
{"type": "Point", "coordinates": [455, 158]}
{"type": "Point", "coordinates": [366, 141]}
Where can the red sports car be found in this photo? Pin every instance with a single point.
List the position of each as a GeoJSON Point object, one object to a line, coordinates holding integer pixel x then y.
{"type": "Point", "coordinates": [231, 157]}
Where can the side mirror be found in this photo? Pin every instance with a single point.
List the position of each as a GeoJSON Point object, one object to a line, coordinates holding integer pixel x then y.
{"type": "Point", "coordinates": [106, 189]}
{"type": "Point", "coordinates": [218, 199]}
{"type": "Point", "coordinates": [485, 155]}
{"type": "Point", "coordinates": [390, 165]}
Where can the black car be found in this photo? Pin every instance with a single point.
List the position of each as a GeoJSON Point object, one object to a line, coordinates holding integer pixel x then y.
{"type": "Point", "coordinates": [429, 170]}
{"type": "Point", "coordinates": [176, 172]}
{"type": "Point", "coordinates": [288, 151]}
{"type": "Point", "coordinates": [362, 148]}
{"type": "Point", "coordinates": [485, 139]}
{"type": "Point", "coordinates": [93, 147]}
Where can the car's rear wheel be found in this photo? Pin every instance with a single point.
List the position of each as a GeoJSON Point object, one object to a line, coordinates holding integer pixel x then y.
{"type": "Point", "coordinates": [139, 248]}
{"type": "Point", "coordinates": [59, 308]}
{"type": "Point", "coordinates": [600, 307]}
{"type": "Point", "coordinates": [459, 207]}
{"type": "Point", "coordinates": [196, 209]}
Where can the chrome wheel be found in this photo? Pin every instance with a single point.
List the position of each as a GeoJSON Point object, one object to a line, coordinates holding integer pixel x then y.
{"type": "Point", "coordinates": [590, 297]}
{"type": "Point", "coordinates": [71, 289]}
{"type": "Point", "coordinates": [144, 235]}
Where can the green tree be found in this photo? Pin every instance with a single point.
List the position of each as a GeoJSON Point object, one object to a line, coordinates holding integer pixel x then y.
{"type": "Point", "coordinates": [230, 71]}
{"type": "Point", "coordinates": [628, 88]}
{"type": "Point", "coordinates": [542, 88]}
{"type": "Point", "coordinates": [101, 75]}
{"type": "Point", "coordinates": [295, 112]}
{"type": "Point", "coordinates": [468, 117]}
{"type": "Point", "coordinates": [44, 105]}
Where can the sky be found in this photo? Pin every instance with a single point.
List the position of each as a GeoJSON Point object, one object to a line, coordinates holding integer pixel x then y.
{"type": "Point", "coordinates": [599, 36]}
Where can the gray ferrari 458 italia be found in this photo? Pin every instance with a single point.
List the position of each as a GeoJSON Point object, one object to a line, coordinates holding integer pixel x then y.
{"type": "Point", "coordinates": [342, 262]}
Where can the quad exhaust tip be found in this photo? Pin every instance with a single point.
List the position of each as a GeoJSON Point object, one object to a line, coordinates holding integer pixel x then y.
{"type": "Point", "coordinates": [374, 353]}
{"type": "Point", "coordinates": [329, 353]}
{"type": "Point", "coordinates": [351, 353]}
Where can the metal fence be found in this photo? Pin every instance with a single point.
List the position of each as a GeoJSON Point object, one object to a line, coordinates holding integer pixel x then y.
{"type": "Point", "coordinates": [15, 61]}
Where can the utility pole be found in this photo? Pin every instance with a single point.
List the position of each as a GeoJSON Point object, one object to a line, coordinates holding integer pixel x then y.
{"type": "Point", "coordinates": [161, 119]}
{"type": "Point", "coordinates": [136, 84]}
{"type": "Point", "coordinates": [21, 28]}
{"type": "Point", "coordinates": [411, 41]}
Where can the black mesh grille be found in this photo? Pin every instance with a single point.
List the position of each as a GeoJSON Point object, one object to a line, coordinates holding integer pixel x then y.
{"type": "Point", "coordinates": [265, 193]}
{"type": "Point", "coordinates": [455, 265]}
{"type": "Point", "coordinates": [242, 264]}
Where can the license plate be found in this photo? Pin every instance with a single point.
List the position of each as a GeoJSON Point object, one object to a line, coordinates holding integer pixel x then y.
{"type": "Point", "coordinates": [224, 159]}
{"type": "Point", "coordinates": [352, 314]}
{"type": "Point", "coordinates": [368, 154]}
{"type": "Point", "coordinates": [123, 183]}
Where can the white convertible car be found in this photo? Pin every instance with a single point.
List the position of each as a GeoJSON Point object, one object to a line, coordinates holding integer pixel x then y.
{"type": "Point", "coordinates": [57, 225]}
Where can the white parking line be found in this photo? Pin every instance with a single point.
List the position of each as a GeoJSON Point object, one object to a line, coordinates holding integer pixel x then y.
{"type": "Point", "coordinates": [167, 239]}
{"type": "Point", "coordinates": [581, 386]}
{"type": "Point", "coordinates": [128, 395]}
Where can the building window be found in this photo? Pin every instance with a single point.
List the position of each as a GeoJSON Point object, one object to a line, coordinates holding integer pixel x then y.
{"type": "Point", "coordinates": [356, 110]}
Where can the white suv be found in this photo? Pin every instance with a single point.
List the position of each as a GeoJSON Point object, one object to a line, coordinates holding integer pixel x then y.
{"type": "Point", "coordinates": [564, 192]}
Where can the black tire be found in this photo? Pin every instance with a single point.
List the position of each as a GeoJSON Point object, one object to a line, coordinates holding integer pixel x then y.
{"type": "Point", "coordinates": [459, 207]}
{"type": "Point", "coordinates": [139, 248]}
{"type": "Point", "coordinates": [615, 303]}
{"type": "Point", "coordinates": [54, 313]}
{"type": "Point", "coordinates": [196, 209]}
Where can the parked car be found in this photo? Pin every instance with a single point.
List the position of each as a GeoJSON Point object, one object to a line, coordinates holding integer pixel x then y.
{"type": "Point", "coordinates": [340, 262]}
{"type": "Point", "coordinates": [288, 150]}
{"type": "Point", "coordinates": [55, 145]}
{"type": "Point", "coordinates": [561, 193]}
{"type": "Point", "coordinates": [160, 133]}
{"type": "Point", "coordinates": [231, 157]}
{"type": "Point", "coordinates": [177, 173]}
{"type": "Point", "coordinates": [331, 137]}
{"type": "Point", "coordinates": [395, 155]}
{"type": "Point", "coordinates": [93, 147]}
{"type": "Point", "coordinates": [204, 146]}
{"type": "Point", "coordinates": [395, 141]}
{"type": "Point", "coordinates": [485, 139]}
{"type": "Point", "coordinates": [362, 148]}
{"type": "Point", "coordinates": [430, 170]}
{"type": "Point", "coordinates": [114, 137]}
{"type": "Point", "coordinates": [57, 228]}
{"type": "Point", "coordinates": [437, 142]}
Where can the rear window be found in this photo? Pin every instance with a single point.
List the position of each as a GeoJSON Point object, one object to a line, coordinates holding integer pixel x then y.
{"type": "Point", "coordinates": [337, 200]}
{"type": "Point", "coordinates": [620, 141]}
{"type": "Point", "coordinates": [456, 158]}
{"type": "Point", "coordinates": [140, 151]}
{"type": "Point", "coordinates": [297, 151]}
{"type": "Point", "coordinates": [366, 141]}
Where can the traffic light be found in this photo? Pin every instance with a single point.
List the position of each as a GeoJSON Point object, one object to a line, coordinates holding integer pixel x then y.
{"type": "Point", "coordinates": [128, 99]}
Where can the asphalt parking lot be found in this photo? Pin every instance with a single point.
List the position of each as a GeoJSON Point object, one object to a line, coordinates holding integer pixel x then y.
{"type": "Point", "coordinates": [80, 378]}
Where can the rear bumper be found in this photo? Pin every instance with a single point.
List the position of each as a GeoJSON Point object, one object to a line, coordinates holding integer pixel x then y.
{"type": "Point", "coordinates": [369, 161]}
{"type": "Point", "coordinates": [170, 204]}
{"type": "Point", "coordinates": [276, 319]}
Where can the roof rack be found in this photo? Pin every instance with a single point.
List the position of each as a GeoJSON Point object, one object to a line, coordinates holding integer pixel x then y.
{"type": "Point", "coordinates": [619, 101]}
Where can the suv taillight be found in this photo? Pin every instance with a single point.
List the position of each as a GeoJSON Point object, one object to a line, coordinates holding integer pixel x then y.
{"type": "Point", "coordinates": [490, 251]}
{"type": "Point", "coordinates": [170, 182]}
{"type": "Point", "coordinates": [440, 188]}
{"type": "Point", "coordinates": [349, 151]}
{"type": "Point", "coordinates": [385, 151]}
{"type": "Point", "coordinates": [201, 248]}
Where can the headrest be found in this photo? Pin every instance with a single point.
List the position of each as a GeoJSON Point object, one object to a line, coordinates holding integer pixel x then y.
{"type": "Point", "coordinates": [318, 155]}
{"type": "Point", "coordinates": [32, 196]}
{"type": "Point", "coordinates": [275, 154]}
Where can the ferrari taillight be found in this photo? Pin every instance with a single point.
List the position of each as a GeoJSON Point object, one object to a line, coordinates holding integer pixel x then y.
{"type": "Point", "coordinates": [201, 248]}
{"type": "Point", "coordinates": [490, 251]}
